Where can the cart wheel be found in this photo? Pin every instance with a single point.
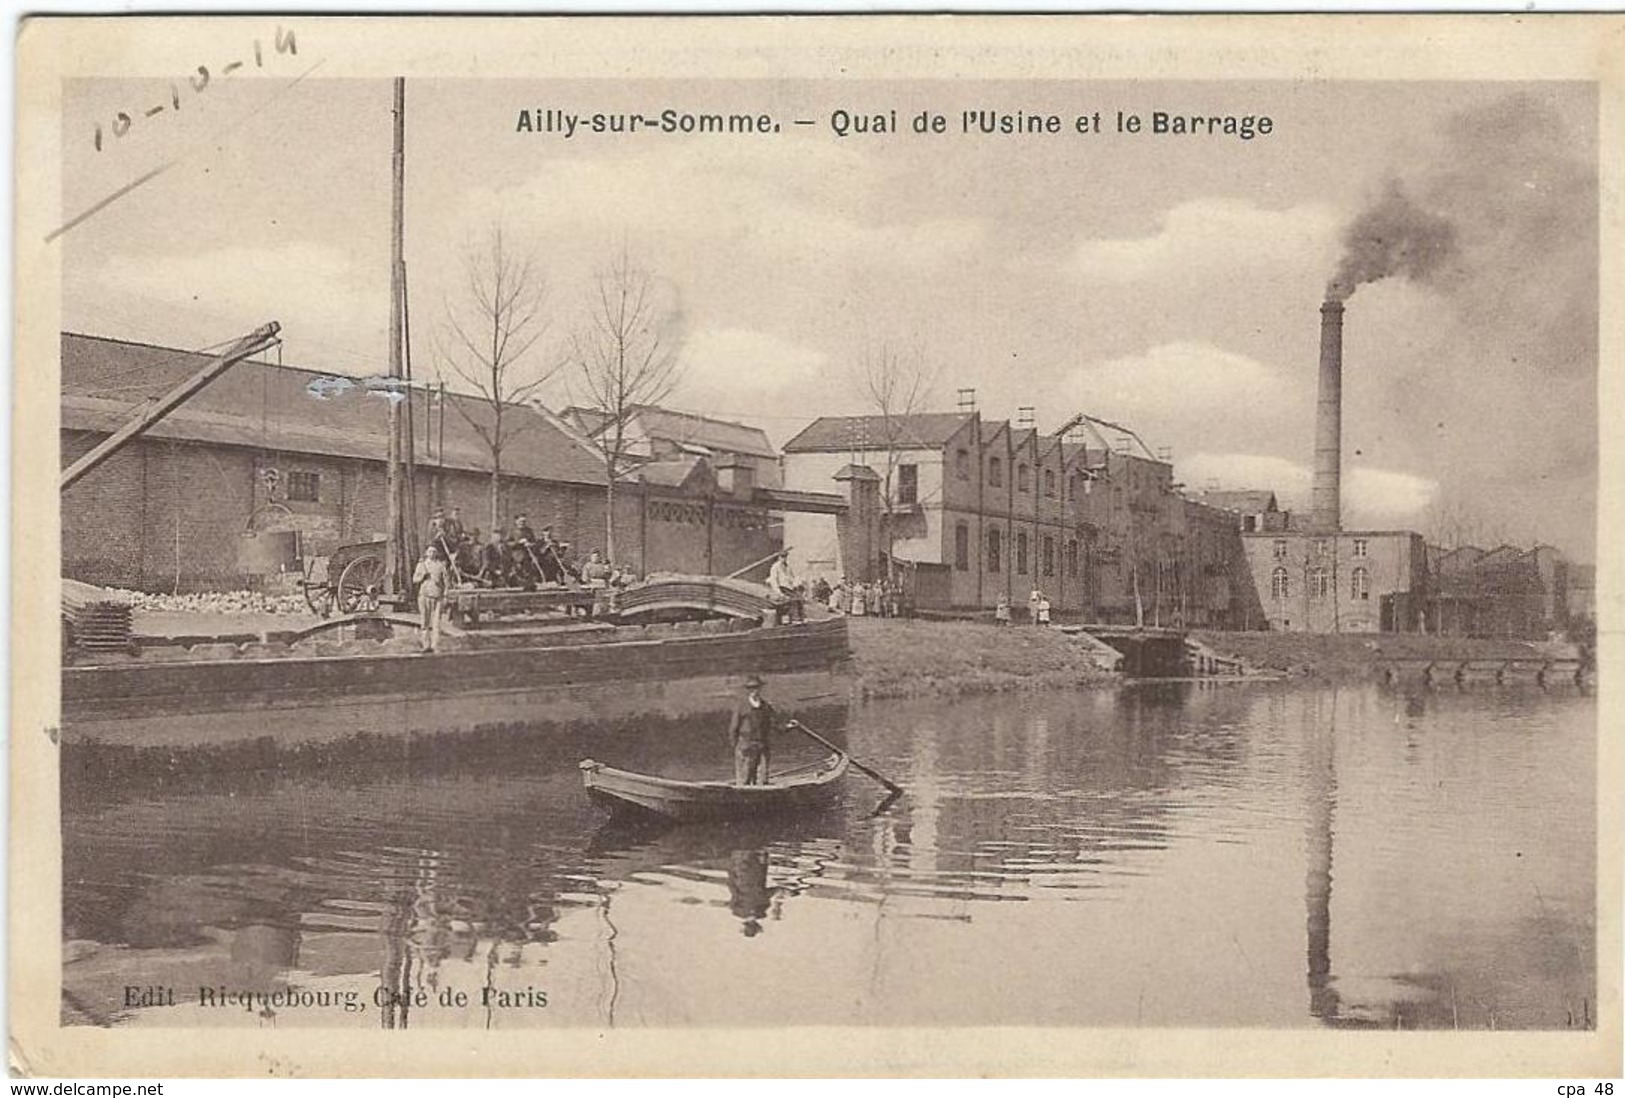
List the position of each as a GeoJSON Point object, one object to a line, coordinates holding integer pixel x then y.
{"type": "Point", "coordinates": [357, 589]}
{"type": "Point", "coordinates": [318, 594]}
{"type": "Point", "coordinates": [319, 597]}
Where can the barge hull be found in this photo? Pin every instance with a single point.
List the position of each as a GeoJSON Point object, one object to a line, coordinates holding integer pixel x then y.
{"type": "Point", "coordinates": [321, 697]}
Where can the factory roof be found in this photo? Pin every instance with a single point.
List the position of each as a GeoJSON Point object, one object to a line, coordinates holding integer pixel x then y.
{"type": "Point", "coordinates": [687, 430]}
{"type": "Point", "coordinates": [675, 472]}
{"type": "Point", "coordinates": [269, 406]}
{"type": "Point", "coordinates": [836, 434]}
{"type": "Point", "coordinates": [1247, 501]}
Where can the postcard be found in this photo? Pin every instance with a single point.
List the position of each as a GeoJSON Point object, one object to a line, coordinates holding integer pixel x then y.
{"type": "Point", "coordinates": [817, 546]}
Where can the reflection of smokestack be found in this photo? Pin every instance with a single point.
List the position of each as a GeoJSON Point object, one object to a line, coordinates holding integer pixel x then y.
{"type": "Point", "coordinates": [1325, 494]}
{"type": "Point", "coordinates": [1321, 772]}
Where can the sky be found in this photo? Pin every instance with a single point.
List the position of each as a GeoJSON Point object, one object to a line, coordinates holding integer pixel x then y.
{"type": "Point", "coordinates": [1172, 283]}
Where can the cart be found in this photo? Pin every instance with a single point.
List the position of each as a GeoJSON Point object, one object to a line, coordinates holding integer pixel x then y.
{"type": "Point", "coordinates": [351, 580]}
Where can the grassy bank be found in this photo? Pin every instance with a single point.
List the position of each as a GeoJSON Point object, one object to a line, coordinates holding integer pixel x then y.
{"type": "Point", "coordinates": [897, 658]}
{"type": "Point", "coordinates": [1349, 656]}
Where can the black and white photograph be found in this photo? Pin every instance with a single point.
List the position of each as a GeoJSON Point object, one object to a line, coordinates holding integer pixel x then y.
{"type": "Point", "coordinates": [572, 529]}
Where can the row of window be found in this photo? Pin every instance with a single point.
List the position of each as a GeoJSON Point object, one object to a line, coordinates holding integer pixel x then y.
{"type": "Point", "coordinates": [1319, 581]}
{"type": "Point", "coordinates": [995, 552]}
{"type": "Point", "coordinates": [1024, 475]}
{"type": "Point", "coordinates": [1322, 546]}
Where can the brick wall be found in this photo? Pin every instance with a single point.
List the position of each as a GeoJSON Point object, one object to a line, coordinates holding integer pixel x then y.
{"type": "Point", "coordinates": [158, 509]}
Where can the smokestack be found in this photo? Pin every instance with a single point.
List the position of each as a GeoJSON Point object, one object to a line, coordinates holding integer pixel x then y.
{"type": "Point", "coordinates": [1326, 492]}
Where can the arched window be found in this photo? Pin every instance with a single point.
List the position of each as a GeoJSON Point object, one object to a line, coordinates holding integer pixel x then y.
{"type": "Point", "coordinates": [1360, 585]}
{"type": "Point", "coordinates": [1023, 477]}
{"type": "Point", "coordinates": [995, 472]}
{"type": "Point", "coordinates": [1280, 584]}
{"type": "Point", "coordinates": [1319, 583]}
{"type": "Point", "coordinates": [1049, 483]}
{"type": "Point", "coordinates": [1072, 557]}
{"type": "Point", "coordinates": [1021, 552]}
{"type": "Point", "coordinates": [1048, 546]}
{"type": "Point", "coordinates": [961, 547]}
{"type": "Point", "coordinates": [994, 544]}
{"type": "Point", "coordinates": [962, 464]}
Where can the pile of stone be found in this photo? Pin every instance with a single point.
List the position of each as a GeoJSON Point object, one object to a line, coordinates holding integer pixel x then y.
{"type": "Point", "coordinates": [220, 602]}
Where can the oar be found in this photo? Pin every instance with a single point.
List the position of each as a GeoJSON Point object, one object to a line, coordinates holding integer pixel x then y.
{"type": "Point", "coordinates": [896, 790]}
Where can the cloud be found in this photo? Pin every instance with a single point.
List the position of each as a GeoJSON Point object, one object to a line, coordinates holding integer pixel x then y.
{"type": "Point", "coordinates": [1371, 496]}
{"type": "Point", "coordinates": [1213, 237]}
{"type": "Point", "coordinates": [316, 291]}
{"type": "Point", "coordinates": [740, 361]}
{"type": "Point", "coordinates": [1172, 393]}
{"type": "Point", "coordinates": [687, 194]}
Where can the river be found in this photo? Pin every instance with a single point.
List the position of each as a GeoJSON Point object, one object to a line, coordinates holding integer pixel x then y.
{"type": "Point", "coordinates": [1174, 855]}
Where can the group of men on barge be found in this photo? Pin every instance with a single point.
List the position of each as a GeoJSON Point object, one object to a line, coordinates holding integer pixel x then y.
{"type": "Point", "coordinates": [518, 557]}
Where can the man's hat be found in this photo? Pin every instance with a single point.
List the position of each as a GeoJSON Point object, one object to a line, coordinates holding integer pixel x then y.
{"type": "Point", "coordinates": [754, 682]}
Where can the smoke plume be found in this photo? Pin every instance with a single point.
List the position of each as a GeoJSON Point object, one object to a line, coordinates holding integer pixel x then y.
{"type": "Point", "coordinates": [1496, 219]}
{"type": "Point", "coordinates": [1392, 236]}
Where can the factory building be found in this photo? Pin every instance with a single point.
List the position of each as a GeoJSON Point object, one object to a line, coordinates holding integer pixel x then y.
{"type": "Point", "coordinates": [1311, 575]}
{"type": "Point", "coordinates": [1504, 592]}
{"type": "Point", "coordinates": [1356, 581]}
{"type": "Point", "coordinates": [965, 510]}
{"type": "Point", "coordinates": [271, 466]}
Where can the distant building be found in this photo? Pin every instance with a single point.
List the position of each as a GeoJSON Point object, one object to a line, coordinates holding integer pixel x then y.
{"type": "Point", "coordinates": [1505, 592]}
{"type": "Point", "coordinates": [1582, 591]}
{"type": "Point", "coordinates": [1256, 506]}
{"type": "Point", "coordinates": [970, 509]}
{"type": "Point", "coordinates": [653, 433]}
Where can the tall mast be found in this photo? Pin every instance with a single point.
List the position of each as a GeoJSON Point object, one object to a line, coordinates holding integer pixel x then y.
{"type": "Point", "coordinates": [397, 554]}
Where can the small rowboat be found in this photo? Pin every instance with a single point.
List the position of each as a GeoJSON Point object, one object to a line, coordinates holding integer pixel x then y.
{"type": "Point", "coordinates": [629, 793]}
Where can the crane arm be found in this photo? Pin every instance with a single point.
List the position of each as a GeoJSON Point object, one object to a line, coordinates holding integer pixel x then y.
{"type": "Point", "coordinates": [252, 343]}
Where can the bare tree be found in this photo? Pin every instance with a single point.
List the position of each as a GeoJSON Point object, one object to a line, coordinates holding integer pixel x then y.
{"type": "Point", "coordinates": [486, 339]}
{"type": "Point", "coordinates": [896, 385]}
{"type": "Point", "coordinates": [1451, 522]}
{"type": "Point", "coordinates": [626, 355]}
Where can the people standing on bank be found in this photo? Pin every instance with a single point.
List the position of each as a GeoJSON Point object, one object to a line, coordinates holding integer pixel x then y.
{"type": "Point", "coordinates": [432, 579]}
{"type": "Point", "coordinates": [749, 732]}
{"type": "Point", "coordinates": [1001, 609]}
{"type": "Point", "coordinates": [1032, 607]}
{"type": "Point", "coordinates": [1043, 608]}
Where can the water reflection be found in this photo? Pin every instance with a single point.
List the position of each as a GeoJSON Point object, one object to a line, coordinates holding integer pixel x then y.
{"type": "Point", "coordinates": [1321, 782]}
{"type": "Point", "coordinates": [1156, 855]}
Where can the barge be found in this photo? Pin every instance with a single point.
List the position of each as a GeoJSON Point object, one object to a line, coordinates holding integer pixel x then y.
{"type": "Point", "coordinates": [217, 695]}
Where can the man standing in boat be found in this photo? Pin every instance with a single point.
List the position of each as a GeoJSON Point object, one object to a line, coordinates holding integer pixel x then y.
{"type": "Point", "coordinates": [752, 724]}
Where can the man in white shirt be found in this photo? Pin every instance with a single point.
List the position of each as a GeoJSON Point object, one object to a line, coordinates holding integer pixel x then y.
{"type": "Point", "coordinates": [786, 589]}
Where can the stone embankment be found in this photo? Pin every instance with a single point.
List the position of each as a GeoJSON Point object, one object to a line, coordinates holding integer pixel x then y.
{"type": "Point", "coordinates": [1365, 656]}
